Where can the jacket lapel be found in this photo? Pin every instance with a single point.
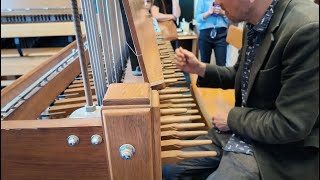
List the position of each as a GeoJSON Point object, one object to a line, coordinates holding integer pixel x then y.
{"type": "Point", "coordinates": [263, 49]}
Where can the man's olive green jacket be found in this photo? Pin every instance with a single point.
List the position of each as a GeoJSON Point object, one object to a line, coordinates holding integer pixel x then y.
{"type": "Point", "coordinates": [282, 117]}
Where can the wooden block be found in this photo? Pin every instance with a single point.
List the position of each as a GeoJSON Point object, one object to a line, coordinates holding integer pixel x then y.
{"type": "Point", "coordinates": [134, 125]}
{"type": "Point", "coordinates": [127, 94]}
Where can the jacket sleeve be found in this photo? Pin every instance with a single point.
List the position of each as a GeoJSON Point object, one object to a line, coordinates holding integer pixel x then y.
{"type": "Point", "coordinates": [297, 103]}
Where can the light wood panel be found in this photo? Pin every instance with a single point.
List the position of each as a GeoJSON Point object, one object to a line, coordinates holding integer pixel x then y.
{"type": "Point", "coordinates": [134, 125]}
{"type": "Point", "coordinates": [30, 52]}
{"type": "Point", "coordinates": [43, 153]}
{"type": "Point", "coordinates": [52, 123]}
{"type": "Point", "coordinates": [144, 39]}
{"type": "Point", "coordinates": [12, 66]}
{"type": "Point", "coordinates": [127, 94]}
{"type": "Point", "coordinates": [39, 29]}
{"type": "Point", "coordinates": [211, 100]}
{"type": "Point", "coordinates": [36, 4]}
{"type": "Point", "coordinates": [156, 134]}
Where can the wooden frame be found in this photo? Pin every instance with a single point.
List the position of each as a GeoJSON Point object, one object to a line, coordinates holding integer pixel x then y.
{"type": "Point", "coordinates": [39, 150]}
{"type": "Point", "coordinates": [35, 105]}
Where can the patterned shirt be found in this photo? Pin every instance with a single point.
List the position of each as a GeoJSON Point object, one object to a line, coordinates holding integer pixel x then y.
{"type": "Point", "coordinates": [255, 35]}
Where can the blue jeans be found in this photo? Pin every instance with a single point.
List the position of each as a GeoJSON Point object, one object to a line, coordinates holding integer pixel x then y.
{"type": "Point", "coordinates": [225, 166]}
{"type": "Point", "coordinates": [218, 44]}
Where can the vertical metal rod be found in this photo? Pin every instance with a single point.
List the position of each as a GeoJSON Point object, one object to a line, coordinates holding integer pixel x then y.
{"type": "Point", "coordinates": [95, 64]}
{"type": "Point", "coordinates": [123, 37]}
{"type": "Point", "coordinates": [94, 48]}
{"type": "Point", "coordinates": [117, 12]}
{"type": "Point", "coordinates": [105, 41]}
{"type": "Point", "coordinates": [83, 64]}
{"type": "Point", "coordinates": [114, 63]}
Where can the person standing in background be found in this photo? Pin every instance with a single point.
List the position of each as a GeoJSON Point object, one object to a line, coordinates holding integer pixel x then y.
{"type": "Point", "coordinates": [172, 12]}
{"type": "Point", "coordinates": [213, 28]}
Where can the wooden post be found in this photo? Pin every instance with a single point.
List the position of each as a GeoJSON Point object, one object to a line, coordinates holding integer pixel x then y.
{"type": "Point", "coordinates": [129, 119]}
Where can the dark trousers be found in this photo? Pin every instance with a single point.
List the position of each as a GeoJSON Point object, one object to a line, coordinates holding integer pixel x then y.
{"type": "Point", "coordinates": [218, 44]}
{"type": "Point", "coordinates": [225, 166]}
{"type": "Point", "coordinates": [175, 44]}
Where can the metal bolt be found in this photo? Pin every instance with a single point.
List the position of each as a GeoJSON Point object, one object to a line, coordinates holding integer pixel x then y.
{"type": "Point", "coordinates": [96, 139]}
{"type": "Point", "coordinates": [73, 140]}
{"type": "Point", "coordinates": [126, 151]}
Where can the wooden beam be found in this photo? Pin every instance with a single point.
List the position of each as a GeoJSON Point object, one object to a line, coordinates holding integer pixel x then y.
{"type": "Point", "coordinates": [13, 66]}
{"type": "Point", "coordinates": [30, 52]}
{"type": "Point", "coordinates": [52, 123]}
{"type": "Point", "coordinates": [43, 152]}
{"type": "Point", "coordinates": [12, 91]}
{"type": "Point", "coordinates": [39, 29]}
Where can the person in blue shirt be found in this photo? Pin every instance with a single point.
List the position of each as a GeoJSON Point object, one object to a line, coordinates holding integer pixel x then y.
{"type": "Point", "coordinates": [213, 27]}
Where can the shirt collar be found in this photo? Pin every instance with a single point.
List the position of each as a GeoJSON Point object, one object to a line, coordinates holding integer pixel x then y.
{"type": "Point", "coordinates": [264, 22]}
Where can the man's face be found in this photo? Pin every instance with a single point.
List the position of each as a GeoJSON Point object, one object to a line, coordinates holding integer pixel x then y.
{"type": "Point", "coordinates": [236, 10]}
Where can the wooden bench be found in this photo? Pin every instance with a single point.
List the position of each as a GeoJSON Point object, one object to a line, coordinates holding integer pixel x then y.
{"type": "Point", "coordinates": [14, 66]}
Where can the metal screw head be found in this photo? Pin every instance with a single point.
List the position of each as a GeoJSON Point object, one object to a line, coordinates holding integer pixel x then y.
{"type": "Point", "coordinates": [73, 140]}
{"type": "Point", "coordinates": [96, 139]}
{"type": "Point", "coordinates": [126, 151]}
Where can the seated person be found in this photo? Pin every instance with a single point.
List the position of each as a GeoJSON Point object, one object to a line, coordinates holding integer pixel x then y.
{"type": "Point", "coordinates": [272, 133]}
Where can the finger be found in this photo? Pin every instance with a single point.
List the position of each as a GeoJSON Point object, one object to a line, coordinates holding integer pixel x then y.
{"type": "Point", "coordinates": [187, 53]}
{"type": "Point", "coordinates": [178, 52]}
{"type": "Point", "coordinates": [180, 63]}
{"type": "Point", "coordinates": [179, 59]}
